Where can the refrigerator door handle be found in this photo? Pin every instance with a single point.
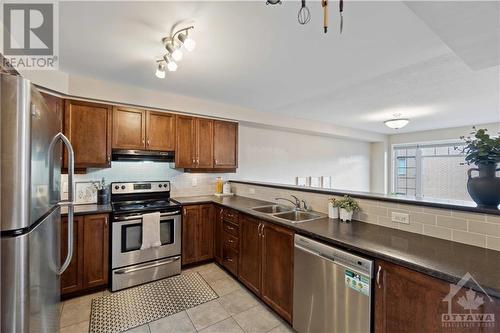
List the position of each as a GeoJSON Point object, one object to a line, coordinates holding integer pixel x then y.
{"type": "Point", "coordinates": [71, 194]}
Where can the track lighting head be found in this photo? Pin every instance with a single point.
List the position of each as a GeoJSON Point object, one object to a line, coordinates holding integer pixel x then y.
{"type": "Point", "coordinates": [160, 71]}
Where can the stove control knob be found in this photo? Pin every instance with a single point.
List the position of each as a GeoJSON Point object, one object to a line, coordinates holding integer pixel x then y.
{"type": "Point", "coordinates": [165, 185]}
{"type": "Point", "coordinates": [117, 187]}
{"type": "Point", "coordinates": [123, 187]}
{"type": "Point", "coordinates": [159, 186]}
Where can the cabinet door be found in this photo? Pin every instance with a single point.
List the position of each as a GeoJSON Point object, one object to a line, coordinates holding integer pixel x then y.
{"type": "Point", "coordinates": [204, 143]}
{"type": "Point", "coordinates": [72, 278]}
{"type": "Point", "coordinates": [55, 103]}
{"type": "Point", "coordinates": [160, 131]}
{"type": "Point", "coordinates": [218, 234]}
{"type": "Point", "coordinates": [129, 128]}
{"type": "Point", "coordinates": [205, 233]}
{"type": "Point", "coordinates": [412, 302]}
{"type": "Point", "coordinates": [95, 250]}
{"type": "Point", "coordinates": [250, 271]}
{"type": "Point", "coordinates": [225, 144]}
{"type": "Point", "coordinates": [185, 150]}
{"type": "Point", "coordinates": [190, 218]}
{"type": "Point", "coordinates": [88, 127]}
{"type": "Point", "coordinates": [277, 269]}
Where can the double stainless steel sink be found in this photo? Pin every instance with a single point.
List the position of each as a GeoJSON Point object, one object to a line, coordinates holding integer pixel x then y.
{"type": "Point", "coordinates": [288, 214]}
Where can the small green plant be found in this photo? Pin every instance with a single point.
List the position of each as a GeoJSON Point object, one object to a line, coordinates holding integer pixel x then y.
{"type": "Point", "coordinates": [348, 204]}
{"type": "Point", "coordinates": [482, 149]}
{"type": "Point", "coordinates": [334, 202]}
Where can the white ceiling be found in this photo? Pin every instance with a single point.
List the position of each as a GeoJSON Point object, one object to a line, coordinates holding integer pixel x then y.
{"type": "Point", "coordinates": [436, 64]}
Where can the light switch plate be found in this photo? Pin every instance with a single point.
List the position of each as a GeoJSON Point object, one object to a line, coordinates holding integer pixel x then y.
{"type": "Point", "coordinates": [400, 218]}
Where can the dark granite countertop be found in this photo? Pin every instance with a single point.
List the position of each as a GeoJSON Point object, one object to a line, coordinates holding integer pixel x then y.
{"type": "Point", "coordinates": [468, 206]}
{"type": "Point", "coordinates": [88, 209]}
{"type": "Point", "coordinates": [436, 257]}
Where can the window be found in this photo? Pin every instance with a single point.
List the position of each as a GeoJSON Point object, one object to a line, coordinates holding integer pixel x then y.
{"type": "Point", "coordinates": [435, 170]}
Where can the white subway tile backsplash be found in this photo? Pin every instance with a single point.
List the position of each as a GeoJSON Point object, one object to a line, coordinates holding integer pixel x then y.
{"type": "Point", "coordinates": [465, 227]}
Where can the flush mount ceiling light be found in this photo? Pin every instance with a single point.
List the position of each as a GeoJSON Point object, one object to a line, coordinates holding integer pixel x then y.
{"type": "Point", "coordinates": [397, 122]}
{"type": "Point", "coordinates": [173, 44]}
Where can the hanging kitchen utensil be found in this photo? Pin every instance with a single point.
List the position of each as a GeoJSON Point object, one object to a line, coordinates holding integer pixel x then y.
{"type": "Point", "coordinates": [304, 15]}
{"type": "Point", "coordinates": [324, 3]}
{"type": "Point", "coordinates": [341, 9]}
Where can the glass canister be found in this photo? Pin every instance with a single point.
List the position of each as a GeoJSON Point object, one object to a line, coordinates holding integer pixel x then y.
{"type": "Point", "coordinates": [218, 185]}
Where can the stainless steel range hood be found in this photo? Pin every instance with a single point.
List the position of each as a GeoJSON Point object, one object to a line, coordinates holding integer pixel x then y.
{"type": "Point", "coordinates": [143, 155]}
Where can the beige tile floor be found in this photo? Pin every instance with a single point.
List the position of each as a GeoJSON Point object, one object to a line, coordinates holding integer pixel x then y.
{"type": "Point", "coordinates": [235, 311]}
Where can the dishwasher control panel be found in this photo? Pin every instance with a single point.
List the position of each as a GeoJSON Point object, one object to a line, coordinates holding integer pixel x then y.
{"type": "Point", "coordinates": [341, 257]}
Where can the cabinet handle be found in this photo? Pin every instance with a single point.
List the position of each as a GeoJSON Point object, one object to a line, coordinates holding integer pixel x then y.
{"type": "Point", "coordinates": [148, 142]}
{"type": "Point", "coordinates": [262, 230]}
{"type": "Point", "coordinates": [216, 162]}
{"type": "Point", "coordinates": [230, 241]}
{"type": "Point", "coordinates": [230, 228]}
{"type": "Point", "coordinates": [142, 141]}
{"type": "Point", "coordinates": [194, 161]}
{"type": "Point", "coordinates": [229, 259]}
{"type": "Point", "coordinates": [378, 275]}
{"type": "Point", "coordinates": [109, 158]}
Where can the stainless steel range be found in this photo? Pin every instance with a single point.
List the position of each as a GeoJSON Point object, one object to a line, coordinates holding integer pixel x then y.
{"type": "Point", "coordinates": [131, 265]}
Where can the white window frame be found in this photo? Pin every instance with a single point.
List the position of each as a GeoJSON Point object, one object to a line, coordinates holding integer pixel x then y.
{"type": "Point", "coordinates": [418, 160]}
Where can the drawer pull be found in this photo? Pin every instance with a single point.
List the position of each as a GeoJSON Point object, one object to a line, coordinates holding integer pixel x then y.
{"type": "Point", "coordinates": [230, 241]}
{"type": "Point", "coordinates": [229, 259]}
{"type": "Point", "coordinates": [230, 228]}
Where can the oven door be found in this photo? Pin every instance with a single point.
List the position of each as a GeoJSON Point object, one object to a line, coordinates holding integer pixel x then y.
{"type": "Point", "coordinates": [127, 240]}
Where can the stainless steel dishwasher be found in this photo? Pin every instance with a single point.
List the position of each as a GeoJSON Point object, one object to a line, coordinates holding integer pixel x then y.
{"type": "Point", "coordinates": [332, 289]}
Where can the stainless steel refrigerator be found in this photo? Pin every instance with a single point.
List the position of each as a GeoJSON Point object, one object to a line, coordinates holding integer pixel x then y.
{"type": "Point", "coordinates": [30, 208]}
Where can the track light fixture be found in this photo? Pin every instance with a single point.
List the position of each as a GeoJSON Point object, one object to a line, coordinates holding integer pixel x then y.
{"type": "Point", "coordinates": [173, 44]}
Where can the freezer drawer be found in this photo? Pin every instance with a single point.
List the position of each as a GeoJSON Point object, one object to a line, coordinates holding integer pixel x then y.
{"type": "Point", "coordinates": [332, 289]}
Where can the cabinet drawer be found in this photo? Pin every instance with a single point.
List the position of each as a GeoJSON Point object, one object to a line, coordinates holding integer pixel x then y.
{"type": "Point", "coordinates": [231, 241]}
{"type": "Point", "coordinates": [230, 215]}
{"type": "Point", "coordinates": [231, 228]}
{"type": "Point", "coordinates": [230, 259]}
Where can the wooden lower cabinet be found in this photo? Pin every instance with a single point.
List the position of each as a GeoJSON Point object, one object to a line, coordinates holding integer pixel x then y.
{"type": "Point", "coordinates": [412, 302]}
{"type": "Point", "coordinates": [250, 265]}
{"type": "Point", "coordinates": [197, 233]}
{"type": "Point", "coordinates": [266, 263]}
{"type": "Point", "coordinates": [218, 234]}
{"type": "Point", "coordinates": [89, 266]}
{"type": "Point", "coordinates": [277, 269]}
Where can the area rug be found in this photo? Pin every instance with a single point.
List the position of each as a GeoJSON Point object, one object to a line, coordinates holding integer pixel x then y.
{"type": "Point", "coordinates": [140, 305]}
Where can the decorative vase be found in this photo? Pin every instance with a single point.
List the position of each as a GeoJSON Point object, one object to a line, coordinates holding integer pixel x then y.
{"type": "Point", "coordinates": [333, 211]}
{"type": "Point", "coordinates": [484, 189]}
{"type": "Point", "coordinates": [345, 215]}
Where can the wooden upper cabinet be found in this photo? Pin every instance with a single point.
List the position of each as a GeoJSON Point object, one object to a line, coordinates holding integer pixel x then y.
{"type": "Point", "coordinates": [129, 128]}
{"type": "Point", "coordinates": [55, 103]}
{"type": "Point", "coordinates": [160, 131]}
{"type": "Point", "coordinates": [88, 127]}
{"type": "Point", "coordinates": [225, 144]}
{"type": "Point", "coordinates": [185, 151]}
{"type": "Point", "coordinates": [204, 143]}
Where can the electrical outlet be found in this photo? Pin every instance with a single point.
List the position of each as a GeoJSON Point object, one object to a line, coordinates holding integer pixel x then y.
{"type": "Point", "coordinates": [194, 181]}
{"type": "Point", "coordinates": [251, 190]}
{"type": "Point", "coordinates": [400, 218]}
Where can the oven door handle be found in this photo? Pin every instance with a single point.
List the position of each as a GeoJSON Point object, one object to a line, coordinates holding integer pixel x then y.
{"type": "Point", "coordinates": [140, 268]}
{"type": "Point", "coordinates": [137, 217]}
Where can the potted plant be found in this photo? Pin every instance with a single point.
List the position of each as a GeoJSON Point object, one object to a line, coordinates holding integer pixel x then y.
{"type": "Point", "coordinates": [347, 207]}
{"type": "Point", "coordinates": [484, 152]}
{"type": "Point", "coordinates": [333, 208]}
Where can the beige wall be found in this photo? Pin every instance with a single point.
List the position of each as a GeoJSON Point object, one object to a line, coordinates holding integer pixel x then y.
{"type": "Point", "coordinates": [279, 156]}
{"type": "Point", "coordinates": [469, 228]}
